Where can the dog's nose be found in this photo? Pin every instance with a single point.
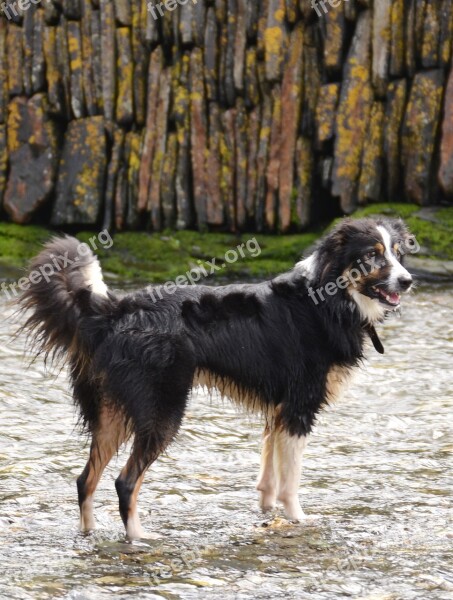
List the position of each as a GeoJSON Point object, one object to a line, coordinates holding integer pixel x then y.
{"type": "Point", "coordinates": [405, 282]}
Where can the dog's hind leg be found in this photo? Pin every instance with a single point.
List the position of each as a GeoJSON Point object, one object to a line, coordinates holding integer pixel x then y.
{"type": "Point", "coordinates": [267, 483]}
{"type": "Point", "coordinates": [153, 386]}
{"type": "Point", "coordinates": [108, 436]}
{"type": "Point", "coordinates": [288, 451]}
{"type": "Point", "coordinates": [128, 486]}
{"type": "Point", "coordinates": [145, 451]}
{"type": "Point", "coordinates": [149, 443]}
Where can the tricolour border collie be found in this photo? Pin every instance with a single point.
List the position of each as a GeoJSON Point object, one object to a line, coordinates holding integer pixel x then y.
{"type": "Point", "coordinates": [284, 347]}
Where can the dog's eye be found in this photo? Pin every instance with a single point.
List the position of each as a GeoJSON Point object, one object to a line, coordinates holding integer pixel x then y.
{"type": "Point", "coordinates": [370, 255]}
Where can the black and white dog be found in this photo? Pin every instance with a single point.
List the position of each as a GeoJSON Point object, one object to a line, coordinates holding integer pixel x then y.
{"type": "Point", "coordinates": [284, 347]}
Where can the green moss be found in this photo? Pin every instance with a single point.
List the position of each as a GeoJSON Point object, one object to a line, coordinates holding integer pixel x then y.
{"type": "Point", "coordinates": [139, 256]}
{"type": "Point", "coordinates": [388, 209]}
{"type": "Point", "coordinates": [162, 257]}
{"type": "Point", "coordinates": [19, 243]}
{"type": "Point", "coordinates": [445, 217]}
{"type": "Point", "coordinates": [142, 257]}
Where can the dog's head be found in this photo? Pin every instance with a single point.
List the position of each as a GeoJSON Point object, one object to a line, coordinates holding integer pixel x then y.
{"type": "Point", "coordinates": [362, 261]}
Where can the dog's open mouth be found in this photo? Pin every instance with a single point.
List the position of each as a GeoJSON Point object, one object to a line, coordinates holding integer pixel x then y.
{"type": "Point", "coordinates": [392, 299]}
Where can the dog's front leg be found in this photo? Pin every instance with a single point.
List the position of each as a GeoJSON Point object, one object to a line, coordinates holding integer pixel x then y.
{"type": "Point", "coordinates": [288, 451]}
{"type": "Point", "coordinates": [267, 483]}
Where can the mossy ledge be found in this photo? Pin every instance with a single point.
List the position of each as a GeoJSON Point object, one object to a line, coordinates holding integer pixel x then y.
{"type": "Point", "coordinates": [138, 257]}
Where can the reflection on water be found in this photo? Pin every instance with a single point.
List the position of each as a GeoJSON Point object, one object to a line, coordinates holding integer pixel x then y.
{"type": "Point", "coordinates": [378, 485]}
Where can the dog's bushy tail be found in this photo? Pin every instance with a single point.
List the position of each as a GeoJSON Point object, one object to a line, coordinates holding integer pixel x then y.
{"type": "Point", "coordinates": [65, 286]}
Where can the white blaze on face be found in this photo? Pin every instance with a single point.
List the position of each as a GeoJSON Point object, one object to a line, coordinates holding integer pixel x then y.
{"type": "Point", "coordinates": [397, 269]}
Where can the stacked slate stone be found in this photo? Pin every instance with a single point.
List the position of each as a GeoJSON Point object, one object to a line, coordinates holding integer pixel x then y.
{"type": "Point", "coordinates": [223, 114]}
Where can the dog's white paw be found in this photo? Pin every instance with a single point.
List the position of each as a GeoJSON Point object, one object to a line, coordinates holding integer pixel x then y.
{"type": "Point", "coordinates": [293, 510]}
{"type": "Point", "coordinates": [267, 501]}
{"type": "Point", "coordinates": [134, 530]}
{"type": "Point", "coordinates": [297, 515]}
{"type": "Point", "coordinates": [87, 522]}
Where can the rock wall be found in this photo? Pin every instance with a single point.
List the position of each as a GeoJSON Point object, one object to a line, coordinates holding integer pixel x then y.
{"type": "Point", "coordinates": [232, 114]}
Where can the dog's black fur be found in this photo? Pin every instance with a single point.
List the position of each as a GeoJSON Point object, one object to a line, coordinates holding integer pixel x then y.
{"type": "Point", "coordinates": [136, 357]}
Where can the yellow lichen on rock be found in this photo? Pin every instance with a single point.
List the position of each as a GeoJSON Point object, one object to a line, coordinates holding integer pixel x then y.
{"type": "Point", "coordinates": [395, 106]}
{"type": "Point", "coordinates": [372, 159]}
{"type": "Point", "coordinates": [208, 109]}
{"type": "Point", "coordinates": [273, 39]}
{"type": "Point", "coordinates": [125, 72]}
{"type": "Point", "coordinates": [352, 117]}
{"type": "Point", "coordinates": [82, 172]}
{"type": "Point", "coordinates": [3, 161]}
{"type": "Point", "coordinates": [325, 112]}
{"type": "Point", "coordinates": [419, 133]}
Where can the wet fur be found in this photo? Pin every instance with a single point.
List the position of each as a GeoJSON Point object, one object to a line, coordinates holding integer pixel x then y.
{"type": "Point", "coordinates": [133, 360]}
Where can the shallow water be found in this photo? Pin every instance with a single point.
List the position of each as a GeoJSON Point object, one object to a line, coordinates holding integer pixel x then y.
{"type": "Point", "coordinates": [377, 486]}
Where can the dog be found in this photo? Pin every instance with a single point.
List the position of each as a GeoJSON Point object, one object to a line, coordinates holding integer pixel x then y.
{"type": "Point", "coordinates": [285, 348]}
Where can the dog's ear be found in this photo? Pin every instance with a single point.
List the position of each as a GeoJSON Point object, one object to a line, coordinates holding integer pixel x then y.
{"type": "Point", "coordinates": [340, 234]}
{"type": "Point", "coordinates": [406, 239]}
{"type": "Point", "coordinates": [330, 261]}
{"type": "Point", "coordinates": [400, 227]}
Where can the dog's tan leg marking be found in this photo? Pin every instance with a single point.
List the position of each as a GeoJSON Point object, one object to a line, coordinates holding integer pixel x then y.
{"type": "Point", "coordinates": [107, 439]}
{"type": "Point", "coordinates": [267, 484]}
{"type": "Point", "coordinates": [134, 529]}
{"type": "Point", "coordinates": [128, 486]}
{"type": "Point", "coordinates": [149, 443]}
{"type": "Point", "coordinates": [288, 450]}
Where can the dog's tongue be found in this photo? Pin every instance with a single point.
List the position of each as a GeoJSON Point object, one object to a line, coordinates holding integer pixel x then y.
{"type": "Point", "coordinates": [394, 298]}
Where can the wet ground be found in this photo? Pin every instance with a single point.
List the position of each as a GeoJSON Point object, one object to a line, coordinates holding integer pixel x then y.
{"type": "Point", "coordinates": [377, 486]}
